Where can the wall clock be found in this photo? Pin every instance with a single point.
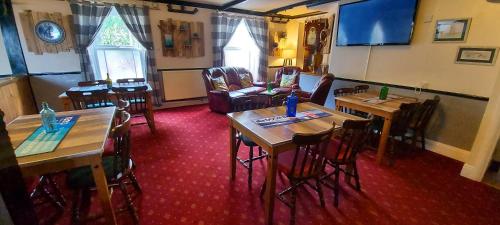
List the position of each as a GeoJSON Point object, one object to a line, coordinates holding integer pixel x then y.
{"type": "Point", "coordinates": [49, 32]}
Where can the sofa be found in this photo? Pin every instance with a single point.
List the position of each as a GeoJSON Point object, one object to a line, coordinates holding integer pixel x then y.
{"type": "Point", "coordinates": [220, 99]}
{"type": "Point", "coordinates": [320, 91]}
{"type": "Point", "coordinates": [286, 70]}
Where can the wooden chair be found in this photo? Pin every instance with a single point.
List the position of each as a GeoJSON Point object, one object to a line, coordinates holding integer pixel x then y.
{"type": "Point", "coordinates": [138, 102]}
{"type": "Point", "coordinates": [400, 124]}
{"type": "Point", "coordinates": [361, 88]}
{"type": "Point", "coordinates": [278, 100]}
{"type": "Point", "coordinates": [421, 119]}
{"type": "Point", "coordinates": [343, 92]}
{"type": "Point", "coordinates": [245, 103]}
{"type": "Point", "coordinates": [118, 170]}
{"type": "Point", "coordinates": [91, 83]}
{"type": "Point", "coordinates": [130, 81]}
{"type": "Point", "coordinates": [306, 162]}
{"type": "Point", "coordinates": [341, 154]}
{"type": "Point", "coordinates": [89, 99]}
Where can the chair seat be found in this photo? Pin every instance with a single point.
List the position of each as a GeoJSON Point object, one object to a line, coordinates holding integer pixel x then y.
{"type": "Point", "coordinates": [235, 94]}
{"type": "Point", "coordinates": [247, 141]}
{"type": "Point", "coordinates": [82, 177]}
{"type": "Point", "coordinates": [285, 162]}
{"type": "Point", "coordinates": [97, 105]}
{"type": "Point", "coordinates": [251, 90]}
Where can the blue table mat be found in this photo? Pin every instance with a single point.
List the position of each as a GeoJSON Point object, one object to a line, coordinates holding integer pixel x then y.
{"type": "Point", "coordinates": [40, 142]}
{"type": "Point", "coordinates": [284, 120]}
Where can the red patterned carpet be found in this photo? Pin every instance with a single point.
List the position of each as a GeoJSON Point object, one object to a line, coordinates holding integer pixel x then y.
{"type": "Point", "coordinates": [184, 168]}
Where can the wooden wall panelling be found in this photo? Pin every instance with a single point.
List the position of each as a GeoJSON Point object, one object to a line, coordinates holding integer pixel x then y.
{"type": "Point", "coordinates": [28, 26]}
{"type": "Point", "coordinates": [16, 98]}
{"type": "Point", "coordinates": [188, 38]}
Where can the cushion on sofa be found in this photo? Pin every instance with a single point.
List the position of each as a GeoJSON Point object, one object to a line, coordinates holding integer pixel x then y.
{"type": "Point", "coordinates": [219, 83]}
{"type": "Point", "coordinates": [245, 80]}
{"type": "Point", "coordinates": [287, 80]}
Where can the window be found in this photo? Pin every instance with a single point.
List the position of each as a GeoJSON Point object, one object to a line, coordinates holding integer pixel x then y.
{"type": "Point", "coordinates": [116, 51]}
{"type": "Point", "coordinates": [241, 51]}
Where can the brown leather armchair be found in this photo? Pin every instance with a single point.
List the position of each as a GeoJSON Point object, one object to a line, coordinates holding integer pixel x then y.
{"type": "Point", "coordinates": [289, 70]}
{"type": "Point", "coordinates": [220, 100]}
{"type": "Point", "coordinates": [320, 91]}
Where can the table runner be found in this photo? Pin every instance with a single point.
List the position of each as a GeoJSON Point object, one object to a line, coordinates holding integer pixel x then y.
{"type": "Point", "coordinates": [284, 120]}
{"type": "Point", "coordinates": [40, 142]}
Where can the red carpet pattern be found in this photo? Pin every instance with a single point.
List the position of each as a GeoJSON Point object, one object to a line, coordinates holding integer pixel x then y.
{"type": "Point", "coordinates": [184, 170]}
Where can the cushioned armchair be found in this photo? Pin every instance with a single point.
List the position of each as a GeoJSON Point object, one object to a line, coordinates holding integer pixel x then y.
{"type": "Point", "coordinates": [320, 91]}
{"type": "Point", "coordinates": [225, 83]}
{"type": "Point", "coordinates": [286, 70]}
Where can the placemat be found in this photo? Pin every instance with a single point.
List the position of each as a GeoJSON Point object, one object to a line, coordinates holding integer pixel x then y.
{"type": "Point", "coordinates": [40, 142]}
{"type": "Point", "coordinates": [284, 120]}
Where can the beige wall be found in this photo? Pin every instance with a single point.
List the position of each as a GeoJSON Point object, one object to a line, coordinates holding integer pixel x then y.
{"type": "Point", "coordinates": [427, 61]}
{"type": "Point", "coordinates": [4, 61]}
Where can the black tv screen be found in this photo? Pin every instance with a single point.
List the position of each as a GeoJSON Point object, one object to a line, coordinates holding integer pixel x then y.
{"type": "Point", "coordinates": [376, 22]}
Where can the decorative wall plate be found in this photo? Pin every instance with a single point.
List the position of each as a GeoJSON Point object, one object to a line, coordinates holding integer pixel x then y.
{"type": "Point", "coordinates": [50, 32]}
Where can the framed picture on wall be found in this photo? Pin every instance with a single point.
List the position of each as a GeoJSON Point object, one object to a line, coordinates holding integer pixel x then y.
{"type": "Point", "coordinates": [477, 55]}
{"type": "Point", "coordinates": [452, 30]}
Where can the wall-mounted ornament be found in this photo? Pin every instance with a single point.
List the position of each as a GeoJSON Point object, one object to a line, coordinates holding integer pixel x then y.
{"type": "Point", "coordinates": [317, 41]}
{"type": "Point", "coordinates": [477, 55]}
{"type": "Point", "coordinates": [452, 30]}
{"type": "Point", "coordinates": [47, 32]}
{"type": "Point", "coordinates": [182, 39]}
{"type": "Point", "coordinates": [182, 9]}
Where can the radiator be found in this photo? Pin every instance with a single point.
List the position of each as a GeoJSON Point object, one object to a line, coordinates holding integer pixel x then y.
{"type": "Point", "coordinates": [183, 84]}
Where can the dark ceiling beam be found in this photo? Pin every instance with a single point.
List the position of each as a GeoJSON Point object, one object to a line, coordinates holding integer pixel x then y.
{"type": "Point", "coordinates": [308, 3]}
{"type": "Point", "coordinates": [209, 6]}
{"type": "Point", "coordinates": [307, 15]}
{"type": "Point", "coordinates": [231, 4]}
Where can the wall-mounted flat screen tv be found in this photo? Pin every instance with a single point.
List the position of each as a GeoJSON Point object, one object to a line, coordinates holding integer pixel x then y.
{"type": "Point", "coordinates": [376, 22]}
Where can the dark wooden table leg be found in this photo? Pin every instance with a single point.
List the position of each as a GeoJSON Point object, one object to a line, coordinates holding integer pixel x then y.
{"type": "Point", "coordinates": [232, 152]}
{"type": "Point", "coordinates": [272, 164]}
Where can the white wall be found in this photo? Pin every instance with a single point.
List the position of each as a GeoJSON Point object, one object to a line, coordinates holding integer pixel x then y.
{"type": "Point", "coordinates": [4, 60]}
{"type": "Point", "coordinates": [427, 61]}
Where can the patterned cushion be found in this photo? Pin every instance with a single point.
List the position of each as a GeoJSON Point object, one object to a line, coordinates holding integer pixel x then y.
{"type": "Point", "coordinates": [246, 80]}
{"type": "Point", "coordinates": [219, 84]}
{"type": "Point", "coordinates": [234, 87]}
{"type": "Point", "coordinates": [287, 80]}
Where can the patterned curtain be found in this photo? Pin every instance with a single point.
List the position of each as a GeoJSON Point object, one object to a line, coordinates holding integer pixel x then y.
{"type": "Point", "coordinates": [137, 21]}
{"type": "Point", "coordinates": [87, 19]}
{"type": "Point", "coordinates": [258, 28]}
{"type": "Point", "coordinates": [223, 29]}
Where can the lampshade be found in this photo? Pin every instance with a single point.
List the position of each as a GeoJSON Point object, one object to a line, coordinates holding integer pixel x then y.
{"type": "Point", "coordinates": [289, 53]}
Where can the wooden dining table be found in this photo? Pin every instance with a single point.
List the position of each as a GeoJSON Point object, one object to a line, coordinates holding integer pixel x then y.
{"type": "Point", "coordinates": [386, 110]}
{"type": "Point", "coordinates": [66, 101]}
{"type": "Point", "coordinates": [82, 146]}
{"type": "Point", "coordinates": [278, 139]}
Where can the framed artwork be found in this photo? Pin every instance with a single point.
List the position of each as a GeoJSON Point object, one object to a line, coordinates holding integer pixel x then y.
{"type": "Point", "coordinates": [50, 32]}
{"type": "Point", "coordinates": [477, 55]}
{"type": "Point", "coordinates": [452, 30]}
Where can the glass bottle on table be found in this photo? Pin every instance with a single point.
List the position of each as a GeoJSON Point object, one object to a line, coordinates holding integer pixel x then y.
{"type": "Point", "coordinates": [109, 82]}
{"type": "Point", "coordinates": [383, 93]}
{"type": "Point", "coordinates": [49, 122]}
{"type": "Point", "coordinates": [291, 104]}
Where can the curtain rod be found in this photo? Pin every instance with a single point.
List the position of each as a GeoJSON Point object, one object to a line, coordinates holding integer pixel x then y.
{"type": "Point", "coordinates": [152, 5]}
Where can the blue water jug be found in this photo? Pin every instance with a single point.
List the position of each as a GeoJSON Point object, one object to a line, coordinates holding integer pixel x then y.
{"type": "Point", "coordinates": [291, 104]}
{"type": "Point", "coordinates": [49, 122]}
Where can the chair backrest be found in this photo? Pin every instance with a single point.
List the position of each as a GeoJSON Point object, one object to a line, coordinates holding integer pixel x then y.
{"type": "Point", "coordinates": [309, 155]}
{"type": "Point", "coordinates": [130, 80]}
{"type": "Point", "coordinates": [135, 95]}
{"type": "Point", "coordinates": [350, 141]}
{"type": "Point", "coordinates": [249, 102]}
{"type": "Point", "coordinates": [278, 100]}
{"type": "Point", "coordinates": [121, 143]}
{"type": "Point", "coordinates": [403, 117]}
{"type": "Point", "coordinates": [91, 83]}
{"type": "Point", "coordinates": [361, 88]}
{"type": "Point", "coordinates": [288, 70]}
{"type": "Point", "coordinates": [321, 89]}
{"type": "Point", "coordinates": [343, 91]}
{"type": "Point", "coordinates": [424, 113]}
{"type": "Point", "coordinates": [89, 99]}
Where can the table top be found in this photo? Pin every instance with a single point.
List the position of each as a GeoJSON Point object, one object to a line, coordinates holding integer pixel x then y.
{"type": "Point", "coordinates": [281, 135]}
{"type": "Point", "coordinates": [390, 106]}
{"type": "Point", "coordinates": [101, 87]}
{"type": "Point", "coordinates": [87, 137]}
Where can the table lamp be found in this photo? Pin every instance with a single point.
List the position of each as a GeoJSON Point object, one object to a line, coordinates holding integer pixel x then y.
{"type": "Point", "coordinates": [288, 55]}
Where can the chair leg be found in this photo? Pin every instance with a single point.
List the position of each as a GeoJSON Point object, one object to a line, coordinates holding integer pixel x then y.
{"type": "Point", "coordinates": [260, 151]}
{"type": "Point", "coordinates": [75, 211]}
{"type": "Point", "coordinates": [133, 179]}
{"type": "Point", "coordinates": [128, 200]}
{"type": "Point", "coordinates": [336, 187]}
{"type": "Point", "coordinates": [356, 176]}
{"type": "Point", "coordinates": [422, 133]}
{"type": "Point", "coordinates": [263, 189]}
{"type": "Point", "coordinates": [250, 167]}
{"type": "Point", "coordinates": [320, 192]}
{"type": "Point", "coordinates": [56, 190]}
{"type": "Point", "coordinates": [293, 205]}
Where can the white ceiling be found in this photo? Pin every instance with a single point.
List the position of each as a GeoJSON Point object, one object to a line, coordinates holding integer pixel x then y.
{"type": "Point", "coordinates": [261, 5]}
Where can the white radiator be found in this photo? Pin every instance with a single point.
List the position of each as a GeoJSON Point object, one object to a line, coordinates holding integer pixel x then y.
{"type": "Point", "coordinates": [183, 84]}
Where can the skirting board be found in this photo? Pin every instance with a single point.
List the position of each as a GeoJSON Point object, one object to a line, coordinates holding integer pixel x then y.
{"type": "Point", "coordinates": [447, 150]}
